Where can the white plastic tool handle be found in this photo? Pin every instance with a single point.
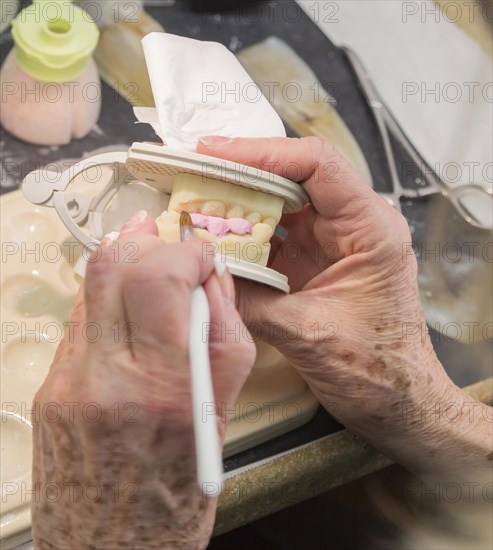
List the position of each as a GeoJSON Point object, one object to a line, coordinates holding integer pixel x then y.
{"type": "Point", "coordinates": [208, 451]}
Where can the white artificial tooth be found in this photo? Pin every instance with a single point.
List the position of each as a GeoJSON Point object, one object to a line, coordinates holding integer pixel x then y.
{"type": "Point", "coordinates": [190, 189]}
{"type": "Point", "coordinates": [254, 217]}
{"type": "Point", "coordinates": [272, 222]}
{"type": "Point", "coordinates": [169, 218]}
{"type": "Point", "coordinates": [262, 233]}
{"type": "Point", "coordinates": [236, 212]}
{"type": "Point", "coordinates": [192, 194]}
{"type": "Point", "coordinates": [213, 208]}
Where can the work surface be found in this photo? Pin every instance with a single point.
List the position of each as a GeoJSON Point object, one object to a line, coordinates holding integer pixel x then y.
{"type": "Point", "coordinates": [466, 363]}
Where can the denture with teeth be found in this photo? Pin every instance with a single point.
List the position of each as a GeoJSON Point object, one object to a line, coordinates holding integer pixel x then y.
{"type": "Point", "coordinates": [239, 222]}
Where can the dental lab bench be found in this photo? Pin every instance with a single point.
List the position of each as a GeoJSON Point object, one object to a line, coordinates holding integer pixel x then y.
{"type": "Point", "coordinates": [320, 454]}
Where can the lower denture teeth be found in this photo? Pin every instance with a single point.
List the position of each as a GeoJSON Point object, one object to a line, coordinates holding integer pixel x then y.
{"type": "Point", "coordinates": [262, 233]}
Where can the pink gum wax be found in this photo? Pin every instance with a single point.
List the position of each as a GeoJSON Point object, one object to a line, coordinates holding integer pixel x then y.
{"type": "Point", "coordinates": [219, 227]}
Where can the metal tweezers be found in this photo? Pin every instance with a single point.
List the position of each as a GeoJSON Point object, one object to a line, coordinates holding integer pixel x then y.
{"type": "Point", "coordinates": [386, 124]}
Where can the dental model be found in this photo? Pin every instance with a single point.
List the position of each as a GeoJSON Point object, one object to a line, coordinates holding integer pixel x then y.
{"type": "Point", "coordinates": [235, 208]}
{"type": "Point", "coordinates": [239, 221]}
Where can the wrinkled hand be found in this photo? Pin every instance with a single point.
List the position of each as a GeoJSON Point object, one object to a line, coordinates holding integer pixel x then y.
{"type": "Point", "coordinates": [121, 455]}
{"type": "Point", "coordinates": [353, 324]}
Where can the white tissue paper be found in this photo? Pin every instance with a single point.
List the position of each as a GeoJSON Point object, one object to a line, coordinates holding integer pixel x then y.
{"type": "Point", "coordinates": [200, 89]}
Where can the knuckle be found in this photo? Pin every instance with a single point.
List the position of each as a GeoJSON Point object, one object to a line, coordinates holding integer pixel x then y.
{"type": "Point", "coordinates": [402, 233]}
{"type": "Point", "coordinates": [322, 150]}
{"type": "Point", "coordinates": [54, 388]}
{"type": "Point", "coordinates": [248, 352]}
{"type": "Point", "coordinates": [401, 224]}
{"type": "Point", "coordinates": [399, 243]}
{"type": "Point", "coordinates": [175, 280]}
{"type": "Point", "coordinates": [144, 279]}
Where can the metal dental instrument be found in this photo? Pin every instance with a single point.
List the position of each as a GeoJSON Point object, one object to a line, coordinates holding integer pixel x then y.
{"type": "Point", "coordinates": [207, 448]}
{"type": "Point", "coordinates": [386, 124]}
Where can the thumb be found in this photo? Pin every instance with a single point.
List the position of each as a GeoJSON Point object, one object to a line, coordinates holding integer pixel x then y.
{"type": "Point", "coordinates": [354, 216]}
{"type": "Point", "coordinates": [141, 222]}
{"type": "Point", "coordinates": [327, 176]}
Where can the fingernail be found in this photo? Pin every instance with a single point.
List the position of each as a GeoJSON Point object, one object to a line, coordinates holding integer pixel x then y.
{"type": "Point", "coordinates": [109, 238]}
{"type": "Point", "coordinates": [225, 280]}
{"type": "Point", "coordinates": [219, 266]}
{"type": "Point", "coordinates": [214, 140]}
{"type": "Point", "coordinates": [135, 222]}
{"type": "Point", "coordinates": [112, 236]}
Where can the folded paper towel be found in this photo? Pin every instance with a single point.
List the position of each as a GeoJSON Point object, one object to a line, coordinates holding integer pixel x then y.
{"type": "Point", "coordinates": [201, 89]}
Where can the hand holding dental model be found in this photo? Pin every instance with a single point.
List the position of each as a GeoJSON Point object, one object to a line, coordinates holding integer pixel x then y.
{"type": "Point", "coordinates": [349, 272]}
{"type": "Point", "coordinates": [363, 349]}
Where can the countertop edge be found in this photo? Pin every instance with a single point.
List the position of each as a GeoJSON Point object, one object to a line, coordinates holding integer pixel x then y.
{"type": "Point", "coordinates": [273, 484]}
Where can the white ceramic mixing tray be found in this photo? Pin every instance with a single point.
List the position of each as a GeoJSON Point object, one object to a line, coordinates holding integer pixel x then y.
{"type": "Point", "coordinates": [38, 288]}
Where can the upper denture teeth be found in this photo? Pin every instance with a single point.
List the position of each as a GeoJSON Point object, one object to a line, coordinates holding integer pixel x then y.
{"type": "Point", "coordinates": [214, 208]}
{"type": "Point", "coordinates": [236, 212]}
